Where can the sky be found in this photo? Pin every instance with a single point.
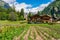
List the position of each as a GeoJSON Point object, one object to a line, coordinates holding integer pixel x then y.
{"type": "Point", "coordinates": [29, 5]}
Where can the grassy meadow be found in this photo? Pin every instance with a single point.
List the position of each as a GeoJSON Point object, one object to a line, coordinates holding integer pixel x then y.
{"type": "Point", "coordinates": [20, 30]}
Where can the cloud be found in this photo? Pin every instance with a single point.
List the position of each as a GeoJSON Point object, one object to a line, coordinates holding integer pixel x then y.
{"type": "Point", "coordinates": [22, 5]}
{"type": "Point", "coordinates": [9, 1]}
{"type": "Point", "coordinates": [39, 8]}
{"type": "Point", "coordinates": [26, 7]}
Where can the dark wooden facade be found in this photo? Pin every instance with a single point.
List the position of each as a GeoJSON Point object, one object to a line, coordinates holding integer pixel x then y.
{"type": "Point", "coordinates": [42, 19]}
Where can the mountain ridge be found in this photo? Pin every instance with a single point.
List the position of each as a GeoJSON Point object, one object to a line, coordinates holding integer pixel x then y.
{"type": "Point", "coordinates": [48, 9]}
{"type": "Point", "coordinates": [4, 4]}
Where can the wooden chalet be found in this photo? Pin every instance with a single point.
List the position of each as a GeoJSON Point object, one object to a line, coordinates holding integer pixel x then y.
{"type": "Point", "coordinates": [46, 18]}
{"type": "Point", "coordinates": [42, 19]}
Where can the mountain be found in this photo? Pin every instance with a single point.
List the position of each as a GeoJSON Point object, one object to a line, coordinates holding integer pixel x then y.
{"type": "Point", "coordinates": [4, 4]}
{"type": "Point", "coordinates": [48, 9]}
{"type": "Point", "coordinates": [4, 7]}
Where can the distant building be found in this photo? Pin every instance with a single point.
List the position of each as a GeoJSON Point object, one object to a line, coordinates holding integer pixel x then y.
{"type": "Point", "coordinates": [46, 18]}
{"type": "Point", "coordinates": [41, 19]}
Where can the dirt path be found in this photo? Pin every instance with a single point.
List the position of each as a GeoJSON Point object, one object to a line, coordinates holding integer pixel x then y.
{"type": "Point", "coordinates": [32, 34]}
{"type": "Point", "coordinates": [35, 33]}
{"type": "Point", "coordinates": [18, 38]}
{"type": "Point", "coordinates": [44, 38]}
{"type": "Point", "coordinates": [26, 35]}
{"type": "Point", "coordinates": [38, 37]}
{"type": "Point", "coordinates": [46, 34]}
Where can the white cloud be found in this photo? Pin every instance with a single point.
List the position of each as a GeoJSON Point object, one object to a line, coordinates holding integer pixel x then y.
{"type": "Point", "coordinates": [22, 5]}
{"type": "Point", "coordinates": [26, 7]}
{"type": "Point", "coordinates": [9, 1]}
{"type": "Point", "coordinates": [39, 8]}
{"type": "Point", "coordinates": [18, 6]}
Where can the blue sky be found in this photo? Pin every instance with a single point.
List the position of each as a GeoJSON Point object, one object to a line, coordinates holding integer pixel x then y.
{"type": "Point", "coordinates": [29, 5]}
{"type": "Point", "coordinates": [35, 3]}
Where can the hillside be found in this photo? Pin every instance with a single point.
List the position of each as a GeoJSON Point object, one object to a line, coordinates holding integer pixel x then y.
{"type": "Point", "coordinates": [48, 9]}
{"type": "Point", "coordinates": [4, 4]}
{"type": "Point", "coordinates": [4, 7]}
{"type": "Point", "coordinates": [6, 11]}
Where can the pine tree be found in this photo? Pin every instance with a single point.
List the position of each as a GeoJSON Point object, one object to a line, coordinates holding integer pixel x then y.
{"type": "Point", "coordinates": [29, 15]}
{"type": "Point", "coordinates": [38, 12]}
{"type": "Point", "coordinates": [22, 14]}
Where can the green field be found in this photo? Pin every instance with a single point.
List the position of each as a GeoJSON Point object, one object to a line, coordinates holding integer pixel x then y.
{"type": "Point", "coordinates": [20, 30]}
